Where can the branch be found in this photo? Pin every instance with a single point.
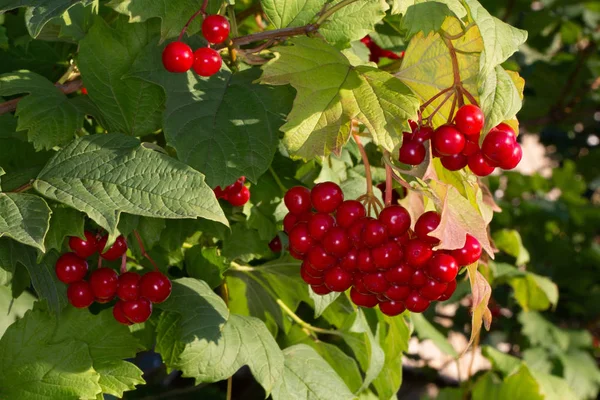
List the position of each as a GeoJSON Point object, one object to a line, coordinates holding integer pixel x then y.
{"type": "Point", "coordinates": [66, 88]}
{"type": "Point", "coordinates": [303, 323]}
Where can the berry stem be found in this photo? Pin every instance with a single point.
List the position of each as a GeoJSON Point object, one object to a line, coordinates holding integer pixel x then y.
{"type": "Point", "coordinates": [439, 107]}
{"type": "Point", "coordinates": [229, 387]}
{"type": "Point", "coordinates": [388, 183]}
{"type": "Point", "coordinates": [453, 107]}
{"type": "Point", "coordinates": [23, 187]}
{"type": "Point", "coordinates": [365, 160]}
{"type": "Point", "coordinates": [143, 250]}
{"type": "Point", "coordinates": [124, 263]}
{"type": "Point", "coordinates": [277, 180]}
{"type": "Point", "coordinates": [202, 11]}
{"type": "Point", "coordinates": [431, 100]}
{"type": "Point", "coordinates": [303, 323]}
{"type": "Point", "coordinates": [469, 96]}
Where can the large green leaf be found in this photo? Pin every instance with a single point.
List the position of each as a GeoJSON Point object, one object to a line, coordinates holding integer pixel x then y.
{"type": "Point", "coordinates": [244, 244]}
{"type": "Point", "coordinates": [424, 17]}
{"type": "Point", "coordinates": [402, 6]}
{"type": "Point", "coordinates": [509, 241]}
{"type": "Point", "coordinates": [532, 291]}
{"type": "Point", "coordinates": [65, 222]}
{"type": "Point", "coordinates": [105, 55]}
{"type": "Point", "coordinates": [500, 97]}
{"type": "Point", "coordinates": [322, 302]}
{"type": "Point", "coordinates": [582, 373]}
{"type": "Point", "coordinates": [307, 376]}
{"type": "Point", "coordinates": [25, 218]}
{"type": "Point", "coordinates": [331, 92]}
{"type": "Point", "coordinates": [425, 330]}
{"type": "Point", "coordinates": [104, 175]}
{"type": "Point", "coordinates": [393, 338]}
{"type": "Point", "coordinates": [47, 115]}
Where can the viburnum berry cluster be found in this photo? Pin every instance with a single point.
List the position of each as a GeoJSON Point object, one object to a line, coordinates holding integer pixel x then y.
{"type": "Point", "coordinates": [457, 144]}
{"type": "Point", "coordinates": [178, 57]}
{"type": "Point", "coordinates": [381, 260]}
{"type": "Point", "coordinates": [376, 52]}
{"type": "Point", "coordinates": [135, 292]}
{"type": "Point", "coordinates": [237, 194]}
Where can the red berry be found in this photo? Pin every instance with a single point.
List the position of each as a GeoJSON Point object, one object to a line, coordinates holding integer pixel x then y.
{"type": "Point", "coordinates": [307, 277]}
{"type": "Point", "coordinates": [207, 61]}
{"type": "Point", "coordinates": [507, 129]}
{"type": "Point", "coordinates": [432, 290]}
{"type": "Point", "coordinates": [374, 233]}
{"type": "Point", "coordinates": [106, 300]}
{"type": "Point", "coordinates": [427, 223]}
{"type": "Point", "coordinates": [479, 165]}
{"type": "Point", "coordinates": [514, 159]}
{"type": "Point", "coordinates": [396, 219]}
{"type": "Point", "coordinates": [348, 212]}
{"type": "Point", "coordinates": [442, 267]}
{"type": "Point", "coordinates": [357, 282]}
{"type": "Point", "coordinates": [422, 134]}
{"type": "Point", "coordinates": [128, 286]}
{"type": "Point", "coordinates": [363, 300]}
{"type": "Point", "coordinates": [177, 57]}
{"type": "Point", "coordinates": [469, 253]}
{"type": "Point", "coordinates": [220, 193]}
{"type": "Point", "coordinates": [319, 224]}
{"type": "Point", "coordinates": [84, 248]}
{"type": "Point", "coordinates": [70, 268]}
{"type": "Point", "coordinates": [471, 146]}
{"type": "Point", "coordinates": [398, 292]}
{"type": "Point", "coordinates": [119, 315]}
{"type": "Point", "coordinates": [326, 197]}
{"type": "Point", "coordinates": [455, 162]}
{"type": "Point", "coordinates": [392, 308]}
{"type": "Point", "coordinates": [417, 253]}
{"type": "Point", "coordinates": [240, 198]}
{"type": "Point", "coordinates": [497, 146]}
{"type": "Point", "coordinates": [300, 240]}
{"type": "Point", "coordinates": [137, 311]}
{"type": "Point", "coordinates": [399, 274]}
{"type": "Point", "coordinates": [447, 140]}
{"type": "Point", "coordinates": [350, 262]}
{"type": "Point", "coordinates": [104, 282]}
{"type": "Point", "coordinates": [364, 260]}
{"type": "Point", "coordinates": [449, 291]}
{"type": "Point", "coordinates": [312, 271]}
{"type": "Point", "coordinates": [386, 255]}
{"type": "Point", "coordinates": [412, 153]}
{"type": "Point", "coordinates": [356, 229]}
{"type": "Point", "coordinates": [320, 289]}
{"type": "Point", "coordinates": [469, 120]}
{"type": "Point", "coordinates": [215, 28]}
{"type": "Point", "coordinates": [415, 303]}
{"type": "Point", "coordinates": [336, 242]}
{"type": "Point", "coordinates": [288, 222]}
{"type": "Point", "coordinates": [338, 279]}
{"type": "Point", "coordinates": [418, 279]}
{"type": "Point", "coordinates": [84, 91]}
{"type": "Point", "coordinates": [275, 244]}
{"type": "Point", "coordinates": [375, 282]}
{"type": "Point", "coordinates": [297, 200]}
{"type": "Point", "coordinates": [319, 259]}
{"type": "Point", "coordinates": [296, 255]}
{"type": "Point", "coordinates": [235, 187]}
{"type": "Point", "coordinates": [80, 294]}
{"type": "Point", "coordinates": [118, 248]}
{"type": "Point", "coordinates": [155, 286]}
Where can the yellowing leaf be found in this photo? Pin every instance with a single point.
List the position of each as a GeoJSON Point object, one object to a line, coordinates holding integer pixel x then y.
{"type": "Point", "coordinates": [481, 292]}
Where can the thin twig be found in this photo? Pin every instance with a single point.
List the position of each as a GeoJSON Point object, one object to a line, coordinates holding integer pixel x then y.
{"type": "Point", "coordinates": [66, 88]}
{"type": "Point", "coordinates": [124, 263]}
{"type": "Point", "coordinates": [303, 323]}
{"type": "Point", "coordinates": [431, 100]}
{"type": "Point", "coordinates": [202, 11]}
{"type": "Point", "coordinates": [388, 183]}
{"type": "Point", "coordinates": [365, 161]}
{"type": "Point", "coordinates": [23, 187]}
{"type": "Point", "coordinates": [143, 249]}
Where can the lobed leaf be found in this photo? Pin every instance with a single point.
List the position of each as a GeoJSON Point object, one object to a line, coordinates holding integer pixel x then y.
{"type": "Point", "coordinates": [25, 218]}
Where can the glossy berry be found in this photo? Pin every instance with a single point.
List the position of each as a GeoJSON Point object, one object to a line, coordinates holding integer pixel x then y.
{"type": "Point", "coordinates": [338, 279]}
{"type": "Point", "coordinates": [396, 219]}
{"type": "Point", "coordinates": [275, 244]}
{"type": "Point", "coordinates": [235, 187]}
{"type": "Point", "coordinates": [507, 129]}
{"type": "Point", "coordinates": [215, 28]}
{"type": "Point", "coordinates": [137, 311]}
{"type": "Point", "coordinates": [448, 292]}
{"type": "Point", "coordinates": [363, 300]}
{"type": "Point", "coordinates": [177, 57]}
{"type": "Point", "coordinates": [80, 294]}
{"type": "Point", "coordinates": [432, 290]}
{"type": "Point", "coordinates": [348, 212]}
{"type": "Point", "coordinates": [514, 159]}
{"type": "Point", "coordinates": [447, 140]}
{"type": "Point", "coordinates": [374, 233]}
{"type": "Point", "coordinates": [375, 282]}
{"type": "Point", "coordinates": [386, 255]}
{"type": "Point", "coordinates": [417, 253]}
{"type": "Point", "coordinates": [207, 61]}
{"type": "Point", "coordinates": [297, 200]}
{"type": "Point", "coordinates": [296, 255]}
{"type": "Point", "coordinates": [84, 91]}
{"type": "Point", "coordinates": [289, 221]}
{"type": "Point", "coordinates": [398, 292]}
{"type": "Point", "coordinates": [414, 302]}
{"type": "Point", "coordinates": [104, 283]}
{"type": "Point", "coordinates": [497, 146]}
{"type": "Point", "coordinates": [128, 287]}
{"type": "Point", "coordinates": [320, 289]}
{"type": "Point", "coordinates": [336, 242]}
{"type": "Point", "coordinates": [479, 165]}
{"type": "Point", "coordinates": [455, 162]}
{"type": "Point", "coordinates": [469, 253]}
{"type": "Point", "coordinates": [300, 240]}
{"type": "Point", "coordinates": [364, 260]}
{"type": "Point", "coordinates": [356, 229]}
{"type": "Point", "coordinates": [469, 120]}
{"type": "Point", "coordinates": [308, 278]}
{"type": "Point", "coordinates": [310, 270]}
{"type": "Point", "coordinates": [427, 223]}
{"type": "Point", "coordinates": [350, 261]}
{"type": "Point", "coordinates": [392, 308]}
{"type": "Point", "coordinates": [84, 248]}
{"type": "Point", "coordinates": [240, 198]}
{"type": "Point", "coordinates": [399, 274]}
{"type": "Point", "coordinates": [319, 259]}
{"type": "Point", "coordinates": [442, 267]}
{"type": "Point", "coordinates": [70, 268]}
{"type": "Point", "coordinates": [319, 224]}
{"type": "Point", "coordinates": [155, 286]}
{"type": "Point", "coordinates": [326, 197]}
{"type": "Point", "coordinates": [422, 134]}
{"type": "Point", "coordinates": [115, 251]}
{"type": "Point", "coordinates": [119, 314]}
{"type": "Point", "coordinates": [471, 146]}
{"type": "Point", "coordinates": [412, 153]}
{"type": "Point", "coordinates": [418, 279]}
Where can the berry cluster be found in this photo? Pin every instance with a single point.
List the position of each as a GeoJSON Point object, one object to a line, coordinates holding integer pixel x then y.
{"type": "Point", "coordinates": [382, 261]}
{"type": "Point", "coordinates": [178, 57]}
{"type": "Point", "coordinates": [136, 293]}
{"type": "Point", "coordinates": [236, 194]}
{"type": "Point", "coordinates": [457, 144]}
{"type": "Point", "coordinates": [376, 52]}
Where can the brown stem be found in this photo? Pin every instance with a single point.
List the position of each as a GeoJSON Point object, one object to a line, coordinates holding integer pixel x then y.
{"type": "Point", "coordinates": [66, 88]}
{"type": "Point", "coordinates": [202, 11]}
{"type": "Point", "coordinates": [143, 250]}
{"type": "Point", "coordinates": [274, 34]}
{"type": "Point", "coordinates": [124, 263]}
{"type": "Point", "coordinates": [365, 160]}
{"type": "Point", "coordinates": [430, 116]}
{"type": "Point", "coordinates": [23, 187]}
{"type": "Point", "coordinates": [454, 59]}
{"type": "Point", "coordinates": [453, 107]}
{"type": "Point", "coordinates": [431, 100]}
{"type": "Point", "coordinates": [468, 95]}
{"type": "Point", "coordinates": [388, 183]}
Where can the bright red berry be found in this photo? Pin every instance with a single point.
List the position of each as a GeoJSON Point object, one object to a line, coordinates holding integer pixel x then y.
{"type": "Point", "coordinates": [235, 187]}
{"type": "Point", "coordinates": [422, 134]}
{"type": "Point", "coordinates": [177, 57]}
{"type": "Point", "coordinates": [375, 282]}
{"type": "Point", "coordinates": [308, 278]}
{"type": "Point", "coordinates": [392, 308]}
{"type": "Point", "coordinates": [442, 267]}
{"type": "Point", "coordinates": [296, 255]}
{"type": "Point", "coordinates": [398, 292]}
{"type": "Point", "coordinates": [310, 270]}
{"type": "Point", "coordinates": [497, 146]}
{"type": "Point", "coordinates": [514, 159]}
{"type": "Point", "coordinates": [447, 140]}
{"type": "Point", "coordinates": [338, 279]}
{"type": "Point", "coordinates": [455, 162]}
{"type": "Point", "coordinates": [356, 229]}
{"type": "Point", "coordinates": [418, 279]}
{"type": "Point", "coordinates": [417, 253]}
{"type": "Point", "coordinates": [275, 244]}
{"type": "Point", "coordinates": [469, 120]}
{"type": "Point", "coordinates": [427, 223]}
{"type": "Point", "coordinates": [300, 239]}
{"type": "Point", "coordinates": [240, 198]}
{"type": "Point", "coordinates": [80, 294]}
{"type": "Point", "coordinates": [414, 302]}
{"type": "Point", "coordinates": [320, 289]}
{"type": "Point", "coordinates": [363, 300]}
{"type": "Point", "coordinates": [319, 259]}
{"type": "Point", "coordinates": [119, 315]}
{"type": "Point", "coordinates": [396, 219]}
{"type": "Point", "coordinates": [70, 268]}
{"type": "Point", "coordinates": [432, 290]}
{"type": "Point", "coordinates": [155, 286]}
{"type": "Point", "coordinates": [215, 28]}
{"type": "Point", "coordinates": [118, 248]}
{"type": "Point", "coordinates": [137, 311]}
{"type": "Point", "coordinates": [128, 286]}
{"type": "Point", "coordinates": [386, 255]}
{"type": "Point", "coordinates": [507, 129]}
{"type": "Point", "coordinates": [399, 274]}
{"type": "Point", "coordinates": [350, 261]}
{"type": "Point", "coordinates": [289, 221]}
{"type": "Point", "coordinates": [319, 224]}
{"type": "Point", "coordinates": [207, 61]}
{"type": "Point", "coordinates": [479, 165]}
{"type": "Point", "coordinates": [336, 242]}
{"type": "Point", "coordinates": [297, 200]}
{"type": "Point", "coordinates": [364, 260]}
{"type": "Point", "coordinates": [449, 291]}
{"type": "Point", "coordinates": [348, 212]}
{"type": "Point", "coordinates": [469, 253]}
{"type": "Point", "coordinates": [471, 146]}
{"type": "Point", "coordinates": [412, 153]}
{"type": "Point", "coordinates": [84, 248]}
{"type": "Point", "coordinates": [104, 283]}
{"type": "Point", "coordinates": [326, 197]}
{"type": "Point", "coordinates": [84, 91]}
{"type": "Point", "coordinates": [374, 233]}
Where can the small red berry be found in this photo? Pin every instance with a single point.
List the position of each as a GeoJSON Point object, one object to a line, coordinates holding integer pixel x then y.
{"type": "Point", "coordinates": [396, 219]}
{"type": "Point", "coordinates": [447, 140]}
{"type": "Point", "coordinates": [375, 282]}
{"type": "Point", "coordinates": [469, 253]}
{"type": "Point", "coordinates": [348, 212]}
{"type": "Point", "coordinates": [300, 240]}
{"type": "Point", "coordinates": [432, 290]}
{"type": "Point", "coordinates": [374, 233]}
{"type": "Point", "coordinates": [320, 289]}
{"type": "Point", "coordinates": [398, 292]}
{"type": "Point", "coordinates": [275, 244]}
{"type": "Point", "coordinates": [422, 134]}
{"type": "Point", "coordinates": [455, 162]}
{"type": "Point", "coordinates": [479, 165]}
{"type": "Point", "coordinates": [297, 200]}
{"type": "Point", "coordinates": [177, 57]}
{"type": "Point", "coordinates": [310, 270]}
{"type": "Point", "coordinates": [215, 28]}
{"type": "Point", "coordinates": [514, 159]}
{"type": "Point", "coordinates": [471, 146]}
{"type": "Point", "coordinates": [336, 242]}
{"type": "Point", "coordinates": [363, 300]}
{"type": "Point", "coordinates": [426, 224]}
{"type": "Point", "coordinates": [155, 286]}
{"type": "Point", "coordinates": [442, 267]}
{"type": "Point", "coordinates": [84, 91]}
{"type": "Point", "coordinates": [137, 311]}
{"type": "Point", "coordinates": [417, 253]}
{"type": "Point", "coordinates": [326, 197]}
{"type": "Point", "coordinates": [392, 308]}
{"type": "Point", "coordinates": [412, 153]}
{"type": "Point", "coordinates": [289, 221]}
{"type": "Point", "coordinates": [308, 278]}
{"type": "Point", "coordinates": [70, 268]}
{"type": "Point", "coordinates": [364, 260]}
{"type": "Point", "coordinates": [497, 146]}
{"type": "Point", "coordinates": [104, 283]}
{"type": "Point", "coordinates": [386, 255]}
{"type": "Point", "coordinates": [128, 286]}
{"type": "Point", "coordinates": [338, 279]}
{"type": "Point", "coordinates": [240, 198]}
{"type": "Point", "coordinates": [399, 274]}
{"type": "Point", "coordinates": [319, 259]}
{"type": "Point", "coordinates": [118, 248]}
{"type": "Point", "coordinates": [319, 224]}
{"type": "Point", "coordinates": [350, 262]}
{"type": "Point", "coordinates": [418, 279]}
{"type": "Point", "coordinates": [235, 187]}
{"type": "Point", "coordinates": [119, 315]}
{"type": "Point", "coordinates": [84, 248]}
{"type": "Point", "coordinates": [469, 120]}
{"type": "Point", "coordinates": [449, 291]}
{"type": "Point", "coordinates": [80, 294]}
{"type": "Point", "coordinates": [296, 255]}
{"type": "Point", "coordinates": [415, 303]}
{"type": "Point", "coordinates": [356, 229]}
{"type": "Point", "coordinates": [207, 61]}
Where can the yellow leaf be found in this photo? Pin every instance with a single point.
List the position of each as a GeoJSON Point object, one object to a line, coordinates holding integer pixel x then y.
{"type": "Point", "coordinates": [481, 291]}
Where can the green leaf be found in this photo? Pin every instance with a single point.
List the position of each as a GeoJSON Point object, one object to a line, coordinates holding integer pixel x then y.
{"type": "Point", "coordinates": [534, 292]}
{"type": "Point", "coordinates": [331, 92]}
{"type": "Point", "coordinates": [40, 12]}
{"type": "Point", "coordinates": [65, 222]}
{"type": "Point", "coordinates": [47, 115]}
{"type": "Point", "coordinates": [499, 97]}
{"type": "Point", "coordinates": [581, 373]}
{"type": "Point", "coordinates": [425, 330]}
{"type": "Point", "coordinates": [502, 362]}
{"type": "Point", "coordinates": [344, 365]}
{"type": "Point", "coordinates": [541, 332]}
{"type": "Point", "coordinates": [118, 377]}
{"type": "Point", "coordinates": [424, 17]}
{"type": "Point", "coordinates": [105, 55]}
{"type": "Point", "coordinates": [403, 6]}
{"type": "Point", "coordinates": [25, 218]}
{"type": "Point", "coordinates": [509, 241]}
{"type": "Point", "coordinates": [307, 376]}
{"type": "Point", "coordinates": [520, 386]}
{"type": "Point", "coordinates": [322, 302]}
{"type": "Point", "coordinates": [104, 175]}
{"type": "Point", "coordinates": [205, 263]}
{"type": "Point", "coordinates": [393, 337]}
{"type": "Point", "coordinates": [11, 309]}
{"type": "Point", "coordinates": [167, 338]}
{"type": "Point", "coordinates": [244, 244]}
